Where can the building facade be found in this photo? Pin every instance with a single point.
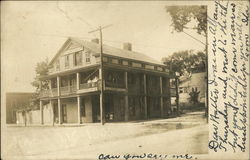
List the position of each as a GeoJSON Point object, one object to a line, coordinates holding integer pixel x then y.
{"type": "Point", "coordinates": [135, 86]}
{"type": "Point", "coordinates": [195, 81]}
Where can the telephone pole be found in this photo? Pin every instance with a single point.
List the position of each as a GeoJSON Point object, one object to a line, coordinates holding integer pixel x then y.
{"type": "Point", "coordinates": [102, 112]}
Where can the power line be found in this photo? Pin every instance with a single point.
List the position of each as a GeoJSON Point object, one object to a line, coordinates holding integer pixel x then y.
{"type": "Point", "coordinates": [113, 41]}
{"type": "Point", "coordinates": [195, 38]}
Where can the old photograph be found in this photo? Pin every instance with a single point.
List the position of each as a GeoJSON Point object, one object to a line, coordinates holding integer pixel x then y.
{"type": "Point", "coordinates": [104, 80]}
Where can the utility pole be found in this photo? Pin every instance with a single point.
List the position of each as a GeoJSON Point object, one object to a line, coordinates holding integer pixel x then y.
{"type": "Point", "coordinates": [102, 112]}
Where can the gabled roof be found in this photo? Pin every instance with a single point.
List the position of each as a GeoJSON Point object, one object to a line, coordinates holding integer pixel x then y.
{"type": "Point", "coordinates": [108, 50]}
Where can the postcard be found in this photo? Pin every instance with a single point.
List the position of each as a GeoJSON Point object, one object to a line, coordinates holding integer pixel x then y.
{"type": "Point", "coordinates": [125, 80]}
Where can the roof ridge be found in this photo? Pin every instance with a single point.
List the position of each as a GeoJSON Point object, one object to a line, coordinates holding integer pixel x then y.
{"type": "Point", "coordinates": [108, 47]}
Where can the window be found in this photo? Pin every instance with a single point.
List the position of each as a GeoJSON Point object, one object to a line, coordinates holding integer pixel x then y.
{"type": "Point", "coordinates": [66, 61]}
{"type": "Point", "coordinates": [87, 57]}
{"type": "Point", "coordinates": [57, 65]}
{"type": "Point", "coordinates": [149, 66]}
{"type": "Point", "coordinates": [125, 62]}
{"type": "Point", "coordinates": [64, 82]}
{"type": "Point", "coordinates": [54, 83]}
{"type": "Point", "coordinates": [78, 58]}
{"type": "Point", "coordinates": [115, 61]}
{"type": "Point", "coordinates": [134, 64]}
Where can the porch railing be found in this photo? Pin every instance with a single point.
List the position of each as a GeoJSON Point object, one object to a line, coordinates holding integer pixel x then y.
{"type": "Point", "coordinates": [54, 92]}
{"type": "Point", "coordinates": [68, 89]}
{"type": "Point", "coordinates": [72, 89]}
{"type": "Point", "coordinates": [45, 93]}
{"type": "Point", "coordinates": [114, 85]}
{"type": "Point", "coordinates": [88, 85]}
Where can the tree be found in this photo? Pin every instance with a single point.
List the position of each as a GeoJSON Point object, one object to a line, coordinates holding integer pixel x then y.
{"type": "Point", "coordinates": [42, 69]}
{"type": "Point", "coordinates": [185, 61]}
{"type": "Point", "coordinates": [191, 17]}
{"type": "Point", "coordinates": [194, 95]}
{"type": "Point", "coordinates": [183, 16]}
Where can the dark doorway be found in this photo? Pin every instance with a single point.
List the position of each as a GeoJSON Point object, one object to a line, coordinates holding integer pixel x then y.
{"type": "Point", "coordinates": [96, 108]}
{"type": "Point", "coordinates": [109, 107]}
{"type": "Point", "coordinates": [55, 112]}
{"type": "Point", "coordinates": [64, 113]}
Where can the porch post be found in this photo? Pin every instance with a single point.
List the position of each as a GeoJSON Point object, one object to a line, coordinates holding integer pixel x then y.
{"type": "Point", "coordinates": [59, 111]}
{"type": "Point", "coordinates": [41, 111]}
{"type": "Point", "coordinates": [177, 94]}
{"type": "Point", "coordinates": [161, 98]}
{"type": "Point", "coordinates": [68, 77]}
{"type": "Point", "coordinates": [145, 96]}
{"type": "Point", "coordinates": [102, 112]}
{"type": "Point", "coordinates": [58, 85]}
{"type": "Point", "coordinates": [126, 96]}
{"type": "Point", "coordinates": [79, 109]}
{"type": "Point", "coordinates": [77, 81]}
{"type": "Point", "coordinates": [51, 105]}
{"type": "Point", "coordinates": [169, 97]}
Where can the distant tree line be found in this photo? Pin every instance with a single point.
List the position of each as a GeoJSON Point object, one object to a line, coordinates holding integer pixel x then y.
{"type": "Point", "coordinates": [185, 61]}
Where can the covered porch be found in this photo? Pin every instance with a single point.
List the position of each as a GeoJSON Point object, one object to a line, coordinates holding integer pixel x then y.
{"type": "Point", "coordinates": [79, 109]}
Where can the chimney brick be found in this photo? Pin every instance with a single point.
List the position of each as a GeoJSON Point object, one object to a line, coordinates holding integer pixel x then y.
{"type": "Point", "coordinates": [127, 46]}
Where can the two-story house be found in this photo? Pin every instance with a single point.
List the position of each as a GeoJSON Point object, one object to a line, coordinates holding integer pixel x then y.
{"type": "Point", "coordinates": [135, 85]}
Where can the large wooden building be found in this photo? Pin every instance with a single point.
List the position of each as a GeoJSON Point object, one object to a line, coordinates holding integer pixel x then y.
{"type": "Point", "coordinates": [135, 86]}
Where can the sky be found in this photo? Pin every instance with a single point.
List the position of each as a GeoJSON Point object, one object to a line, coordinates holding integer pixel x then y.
{"type": "Point", "coordinates": [33, 31]}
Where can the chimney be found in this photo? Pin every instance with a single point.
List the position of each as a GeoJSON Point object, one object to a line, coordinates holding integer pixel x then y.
{"type": "Point", "coordinates": [127, 46]}
{"type": "Point", "coordinates": [96, 40]}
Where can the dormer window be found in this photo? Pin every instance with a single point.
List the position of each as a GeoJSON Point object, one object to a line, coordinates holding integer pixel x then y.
{"type": "Point", "coordinates": [87, 57]}
{"type": "Point", "coordinates": [78, 58]}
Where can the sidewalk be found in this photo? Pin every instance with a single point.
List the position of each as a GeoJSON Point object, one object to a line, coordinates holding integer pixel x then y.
{"type": "Point", "coordinates": [84, 140]}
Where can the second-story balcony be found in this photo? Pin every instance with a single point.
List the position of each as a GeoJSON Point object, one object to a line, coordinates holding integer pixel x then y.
{"type": "Point", "coordinates": [83, 88]}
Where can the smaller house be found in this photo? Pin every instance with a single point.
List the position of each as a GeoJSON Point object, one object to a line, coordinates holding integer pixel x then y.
{"type": "Point", "coordinates": [189, 82]}
{"type": "Point", "coordinates": [18, 109]}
